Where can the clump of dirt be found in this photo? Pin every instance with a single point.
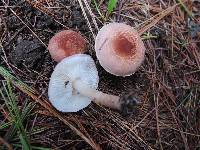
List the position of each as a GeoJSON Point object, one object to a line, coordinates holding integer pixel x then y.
{"type": "Point", "coordinates": [78, 21]}
{"type": "Point", "coordinates": [13, 22]}
{"type": "Point", "coordinates": [0, 50]}
{"type": "Point", "coordinates": [29, 53]}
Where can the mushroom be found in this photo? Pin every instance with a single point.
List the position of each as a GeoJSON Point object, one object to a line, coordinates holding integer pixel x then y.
{"type": "Point", "coordinates": [73, 85]}
{"type": "Point", "coordinates": [66, 43]}
{"type": "Point", "coordinates": [119, 49]}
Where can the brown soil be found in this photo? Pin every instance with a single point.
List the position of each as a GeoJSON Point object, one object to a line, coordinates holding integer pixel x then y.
{"type": "Point", "coordinates": [168, 82]}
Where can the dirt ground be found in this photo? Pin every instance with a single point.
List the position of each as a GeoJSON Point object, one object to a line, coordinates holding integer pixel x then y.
{"type": "Point", "coordinates": [168, 82]}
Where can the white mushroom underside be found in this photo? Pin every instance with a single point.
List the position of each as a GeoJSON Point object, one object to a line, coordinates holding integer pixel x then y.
{"type": "Point", "coordinates": [61, 94]}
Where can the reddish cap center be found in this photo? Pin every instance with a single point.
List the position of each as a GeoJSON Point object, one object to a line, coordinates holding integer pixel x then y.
{"type": "Point", "coordinates": [124, 47]}
{"type": "Point", "coordinates": [71, 43]}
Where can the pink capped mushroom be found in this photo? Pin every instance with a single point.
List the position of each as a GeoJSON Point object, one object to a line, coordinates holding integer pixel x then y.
{"type": "Point", "coordinates": [119, 49]}
{"type": "Point", "coordinates": [66, 43]}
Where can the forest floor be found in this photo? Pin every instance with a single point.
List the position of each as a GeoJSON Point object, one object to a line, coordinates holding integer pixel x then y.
{"type": "Point", "coordinates": [167, 83]}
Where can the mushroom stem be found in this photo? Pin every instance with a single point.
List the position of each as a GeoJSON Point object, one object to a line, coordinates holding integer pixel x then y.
{"type": "Point", "coordinates": [98, 97]}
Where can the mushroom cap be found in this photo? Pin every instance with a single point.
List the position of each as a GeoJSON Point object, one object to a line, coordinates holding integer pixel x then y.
{"type": "Point", "coordinates": [119, 49]}
{"type": "Point", "coordinates": [66, 43]}
{"type": "Point", "coordinates": [61, 93]}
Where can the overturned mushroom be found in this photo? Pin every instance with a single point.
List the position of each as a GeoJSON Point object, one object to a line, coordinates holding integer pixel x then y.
{"type": "Point", "coordinates": [119, 49]}
{"type": "Point", "coordinates": [73, 86]}
{"type": "Point", "coordinates": [66, 43]}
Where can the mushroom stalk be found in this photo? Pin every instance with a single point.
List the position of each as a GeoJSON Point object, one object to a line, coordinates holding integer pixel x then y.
{"type": "Point", "coordinates": [98, 97]}
{"type": "Point", "coordinates": [73, 85]}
